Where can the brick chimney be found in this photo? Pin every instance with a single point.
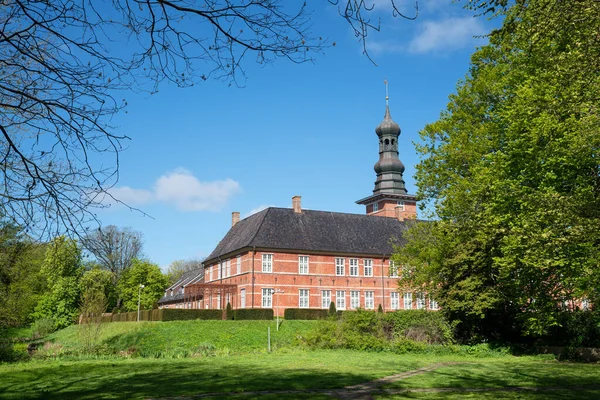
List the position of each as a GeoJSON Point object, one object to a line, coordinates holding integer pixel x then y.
{"type": "Point", "coordinates": [297, 204]}
{"type": "Point", "coordinates": [235, 218]}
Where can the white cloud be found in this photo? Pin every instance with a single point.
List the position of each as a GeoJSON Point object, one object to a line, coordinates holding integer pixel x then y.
{"type": "Point", "coordinates": [445, 35]}
{"type": "Point", "coordinates": [187, 193]}
{"type": "Point", "coordinates": [181, 189]}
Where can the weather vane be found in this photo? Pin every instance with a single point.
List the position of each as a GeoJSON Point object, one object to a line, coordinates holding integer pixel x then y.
{"type": "Point", "coordinates": [387, 98]}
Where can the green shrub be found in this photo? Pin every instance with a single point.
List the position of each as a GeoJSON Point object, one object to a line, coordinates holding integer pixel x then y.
{"type": "Point", "coordinates": [332, 311]}
{"type": "Point", "coordinates": [43, 327]}
{"type": "Point", "coordinates": [254, 314]}
{"type": "Point", "coordinates": [229, 315]}
{"type": "Point", "coordinates": [420, 326]}
{"type": "Point", "coordinates": [380, 309]}
{"type": "Point", "coordinates": [304, 313]}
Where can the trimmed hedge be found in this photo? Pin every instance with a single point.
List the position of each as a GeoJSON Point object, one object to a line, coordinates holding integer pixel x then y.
{"type": "Point", "coordinates": [253, 313]}
{"type": "Point", "coordinates": [305, 313]}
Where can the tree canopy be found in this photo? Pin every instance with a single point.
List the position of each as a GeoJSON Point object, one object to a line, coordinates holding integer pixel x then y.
{"type": "Point", "coordinates": [142, 272]}
{"type": "Point", "coordinates": [511, 173]}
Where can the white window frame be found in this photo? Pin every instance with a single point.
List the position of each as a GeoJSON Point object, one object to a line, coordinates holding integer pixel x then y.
{"type": "Point", "coordinates": [303, 298]}
{"type": "Point", "coordinates": [340, 266]}
{"type": "Point", "coordinates": [394, 300]}
{"type": "Point", "coordinates": [375, 206]}
{"type": "Point", "coordinates": [433, 305]}
{"type": "Point", "coordinates": [421, 301]}
{"type": "Point", "coordinates": [243, 298]}
{"type": "Point", "coordinates": [210, 273]}
{"type": "Point", "coordinates": [353, 266]}
{"type": "Point", "coordinates": [303, 263]}
{"type": "Point", "coordinates": [325, 298]}
{"type": "Point", "coordinates": [369, 300]}
{"type": "Point", "coordinates": [219, 270]}
{"type": "Point", "coordinates": [401, 205]}
{"type": "Point", "coordinates": [407, 301]}
{"type": "Point", "coordinates": [340, 299]}
{"type": "Point", "coordinates": [218, 301]}
{"type": "Point", "coordinates": [393, 271]}
{"type": "Point", "coordinates": [267, 263]}
{"type": "Point", "coordinates": [368, 267]}
{"type": "Point", "coordinates": [238, 261]}
{"type": "Point", "coordinates": [267, 298]}
{"type": "Point", "coordinates": [354, 299]}
{"type": "Point", "coordinates": [227, 268]}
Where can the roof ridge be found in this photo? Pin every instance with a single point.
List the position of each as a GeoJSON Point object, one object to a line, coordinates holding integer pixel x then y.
{"type": "Point", "coordinates": [268, 209]}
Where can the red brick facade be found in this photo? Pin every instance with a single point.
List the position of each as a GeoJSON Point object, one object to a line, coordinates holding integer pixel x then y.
{"type": "Point", "coordinates": [281, 281]}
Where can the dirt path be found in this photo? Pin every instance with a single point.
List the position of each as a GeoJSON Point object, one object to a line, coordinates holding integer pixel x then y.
{"type": "Point", "coordinates": [369, 389]}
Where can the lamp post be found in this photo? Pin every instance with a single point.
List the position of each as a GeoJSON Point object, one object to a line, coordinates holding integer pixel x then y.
{"type": "Point", "coordinates": [277, 304]}
{"type": "Point", "coordinates": [139, 299]}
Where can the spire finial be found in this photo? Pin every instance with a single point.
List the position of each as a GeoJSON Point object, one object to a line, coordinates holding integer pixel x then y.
{"type": "Point", "coordinates": [387, 98]}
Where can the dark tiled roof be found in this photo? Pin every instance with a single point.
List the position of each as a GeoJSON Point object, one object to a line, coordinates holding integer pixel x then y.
{"type": "Point", "coordinates": [188, 278]}
{"type": "Point", "coordinates": [312, 231]}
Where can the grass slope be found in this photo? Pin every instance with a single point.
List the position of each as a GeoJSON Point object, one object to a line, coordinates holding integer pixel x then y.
{"type": "Point", "coordinates": [183, 338]}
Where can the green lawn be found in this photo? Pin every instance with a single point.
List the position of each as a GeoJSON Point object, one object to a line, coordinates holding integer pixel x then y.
{"type": "Point", "coordinates": [289, 370]}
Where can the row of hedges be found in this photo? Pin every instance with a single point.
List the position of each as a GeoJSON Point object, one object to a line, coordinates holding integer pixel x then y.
{"type": "Point", "coordinates": [305, 313]}
{"type": "Point", "coordinates": [167, 314]}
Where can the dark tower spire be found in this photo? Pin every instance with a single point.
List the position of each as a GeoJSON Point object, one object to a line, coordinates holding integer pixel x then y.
{"type": "Point", "coordinates": [390, 197]}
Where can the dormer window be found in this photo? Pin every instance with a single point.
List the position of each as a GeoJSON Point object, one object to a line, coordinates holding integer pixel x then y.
{"type": "Point", "coordinates": [182, 289]}
{"type": "Point", "coordinates": [400, 204]}
{"type": "Point", "coordinates": [375, 207]}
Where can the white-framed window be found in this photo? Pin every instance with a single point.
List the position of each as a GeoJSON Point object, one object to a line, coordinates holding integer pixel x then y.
{"type": "Point", "coordinates": [227, 299]}
{"type": "Point", "coordinates": [340, 266]}
{"type": "Point", "coordinates": [303, 265]}
{"type": "Point", "coordinates": [353, 262]}
{"type": "Point", "coordinates": [394, 300]}
{"type": "Point", "coordinates": [238, 262]}
{"type": "Point", "coordinates": [400, 205]}
{"type": "Point", "coordinates": [267, 298]}
{"type": "Point", "coordinates": [407, 301]}
{"type": "Point", "coordinates": [325, 298]}
{"type": "Point", "coordinates": [433, 305]}
{"type": "Point", "coordinates": [340, 299]}
{"type": "Point", "coordinates": [354, 299]}
{"type": "Point", "coordinates": [219, 270]}
{"type": "Point", "coordinates": [243, 298]}
{"type": "Point", "coordinates": [368, 267]}
{"type": "Point", "coordinates": [393, 270]}
{"type": "Point", "coordinates": [420, 301]}
{"type": "Point", "coordinates": [227, 268]}
{"type": "Point", "coordinates": [267, 263]}
{"type": "Point", "coordinates": [210, 273]}
{"type": "Point", "coordinates": [369, 300]}
{"type": "Point", "coordinates": [218, 301]}
{"type": "Point", "coordinates": [375, 207]}
{"type": "Point", "coordinates": [303, 301]}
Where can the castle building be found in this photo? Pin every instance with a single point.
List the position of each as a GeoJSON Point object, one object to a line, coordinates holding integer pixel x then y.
{"type": "Point", "coordinates": [294, 258]}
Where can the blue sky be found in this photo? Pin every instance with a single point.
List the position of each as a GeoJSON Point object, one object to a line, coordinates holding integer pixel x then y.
{"type": "Point", "coordinates": [199, 153]}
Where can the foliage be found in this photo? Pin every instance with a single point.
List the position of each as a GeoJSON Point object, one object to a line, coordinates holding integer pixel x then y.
{"type": "Point", "coordinates": [93, 305]}
{"type": "Point", "coordinates": [400, 331]}
{"type": "Point", "coordinates": [21, 283]}
{"type": "Point", "coordinates": [100, 280]}
{"type": "Point", "coordinates": [254, 314]}
{"type": "Point", "coordinates": [142, 272]}
{"type": "Point", "coordinates": [305, 313]}
{"type": "Point", "coordinates": [512, 175]}
{"type": "Point", "coordinates": [332, 310]}
{"type": "Point", "coordinates": [43, 327]}
{"type": "Point", "coordinates": [229, 312]}
{"type": "Point", "coordinates": [62, 271]}
{"type": "Point", "coordinates": [114, 248]}
{"type": "Point", "coordinates": [179, 267]}
{"type": "Point", "coordinates": [171, 314]}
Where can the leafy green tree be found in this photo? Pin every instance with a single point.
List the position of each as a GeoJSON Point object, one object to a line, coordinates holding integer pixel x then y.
{"type": "Point", "coordinates": [142, 272]}
{"type": "Point", "coordinates": [101, 281]}
{"type": "Point", "coordinates": [179, 267]}
{"type": "Point", "coordinates": [20, 282]}
{"type": "Point", "coordinates": [62, 270]}
{"type": "Point", "coordinates": [511, 174]}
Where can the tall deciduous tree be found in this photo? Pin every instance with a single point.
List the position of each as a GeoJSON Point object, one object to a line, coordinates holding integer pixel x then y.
{"type": "Point", "coordinates": [114, 248]}
{"type": "Point", "coordinates": [512, 172]}
{"type": "Point", "coordinates": [63, 64]}
{"type": "Point", "coordinates": [142, 272]}
{"type": "Point", "coordinates": [179, 267]}
{"type": "Point", "coordinates": [62, 270]}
